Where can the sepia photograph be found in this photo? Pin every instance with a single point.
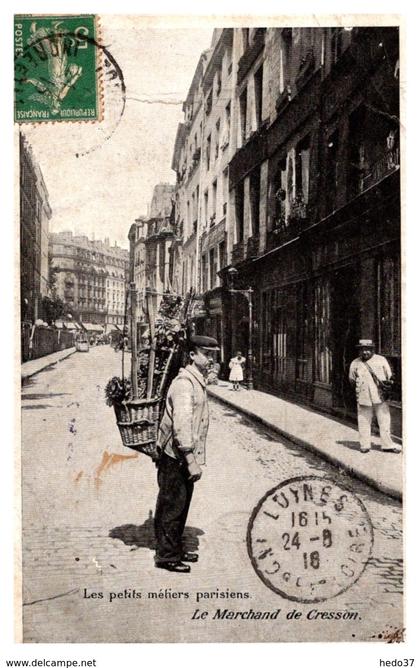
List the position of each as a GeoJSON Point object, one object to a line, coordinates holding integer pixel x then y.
{"type": "Point", "coordinates": [210, 285]}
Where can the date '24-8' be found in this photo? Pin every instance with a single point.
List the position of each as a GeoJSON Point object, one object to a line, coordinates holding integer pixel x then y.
{"type": "Point", "coordinates": [303, 519]}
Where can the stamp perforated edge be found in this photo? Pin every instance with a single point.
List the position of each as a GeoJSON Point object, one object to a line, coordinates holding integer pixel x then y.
{"type": "Point", "coordinates": [100, 93]}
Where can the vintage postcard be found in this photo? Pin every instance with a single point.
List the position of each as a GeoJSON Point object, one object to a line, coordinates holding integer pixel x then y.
{"type": "Point", "coordinates": [210, 317]}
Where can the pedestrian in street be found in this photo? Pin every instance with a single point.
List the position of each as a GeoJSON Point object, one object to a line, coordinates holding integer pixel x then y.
{"type": "Point", "coordinates": [182, 439]}
{"type": "Point", "coordinates": [213, 372]}
{"type": "Point", "coordinates": [236, 366]}
{"type": "Point", "coordinates": [371, 376]}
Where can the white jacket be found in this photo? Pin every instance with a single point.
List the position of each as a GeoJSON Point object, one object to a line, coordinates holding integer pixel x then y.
{"type": "Point", "coordinates": [366, 390]}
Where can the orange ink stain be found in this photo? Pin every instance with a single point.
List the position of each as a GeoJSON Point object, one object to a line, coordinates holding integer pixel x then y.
{"type": "Point", "coordinates": [108, 460]}
{"type": "Point", "coordinates": [79, 475]}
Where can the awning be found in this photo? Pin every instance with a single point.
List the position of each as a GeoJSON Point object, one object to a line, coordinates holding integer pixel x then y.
{"type": "Point", "coordinates": [91, 327]}
{"type": "Point", "coordinates": [59, 324]}
{"type": "Point", "coordinates": [70, 325]}
{"type": "Point", "coordinates": [112, 327]}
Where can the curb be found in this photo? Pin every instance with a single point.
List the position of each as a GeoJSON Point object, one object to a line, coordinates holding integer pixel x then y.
{"type": "Point", "coordinates": [29, 374]}
{"type": "Point", "coordinates": [332, 459]}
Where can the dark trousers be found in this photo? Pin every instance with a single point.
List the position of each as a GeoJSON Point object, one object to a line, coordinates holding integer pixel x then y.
{"type": "Point", "coordinates": [173, 502]}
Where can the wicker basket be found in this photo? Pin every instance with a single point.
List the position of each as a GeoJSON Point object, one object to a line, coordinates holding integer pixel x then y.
{"type": "Point", "coordinates": [138, 422]}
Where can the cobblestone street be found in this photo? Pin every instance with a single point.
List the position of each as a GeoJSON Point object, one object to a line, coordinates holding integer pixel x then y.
{"type": "Point", "coordinates": [88, 537]}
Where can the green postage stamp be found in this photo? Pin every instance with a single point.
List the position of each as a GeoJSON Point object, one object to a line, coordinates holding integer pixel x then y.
{"type": "Point", "coordinates": [56, 68]}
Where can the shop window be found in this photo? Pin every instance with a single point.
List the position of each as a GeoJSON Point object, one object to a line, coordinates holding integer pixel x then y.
{"type": "Point", "coordinates": [389, 306]}
{"type": "Point", "coordinates": [301, 332]}
{"type": "Point", "coordinates": [323, 354]}
{"type": "Point", "coordinates": [279, 338]}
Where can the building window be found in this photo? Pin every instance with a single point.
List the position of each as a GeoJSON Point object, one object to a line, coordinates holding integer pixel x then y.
{"type": "Point", "coordinates": [280, 194]}
{"type": "Point", "coordinates": [243, 102]}
{"type": "Point", "coordinates": [332, 170]}
{"type": "Point", "coordinates": [258, 89]}
{"type": "Point", "coordinates": [222, 254]}
{"type": "Point", "coordinates": [208, 151]}
{"type": "Point", "coordinates": [302, 169]}
{"type": "Point", "coordinates": [336, 43]}
{"type": "Point", "coordinates": [214, 198]}
{"type": "Point", "coordinates": [226, 127]}
{"type": "Point", "coordinates": [213, 268]}
{"type": "Point", "coordinates": [239, 206]}
{"type": "Point", "coordinates": [225, 190]}
{"type": "Point", "coordinates": [218, 82]}
{"type": "Point", "coordinates": [323, 355]}
{"type": "Point", "coordinates": [204, 272]}
{"type": "Point", "coordinates": [216, 140]}
{"type": "Point", "coordinates": [206, 207]}
{"type": "Point", "coordinates": [285, 58]}
{"type": "Point", "coordinates": [209, 102]}
{"type": "Point", "coordinates": [255, 200]}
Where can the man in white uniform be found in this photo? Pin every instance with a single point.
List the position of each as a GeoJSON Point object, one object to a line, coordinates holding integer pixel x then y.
{"type": "Point", "coordinates": [366, 372]}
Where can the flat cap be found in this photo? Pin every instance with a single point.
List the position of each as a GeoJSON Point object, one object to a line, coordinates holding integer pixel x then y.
{"type": "Point", "coordinates": [205, 342]}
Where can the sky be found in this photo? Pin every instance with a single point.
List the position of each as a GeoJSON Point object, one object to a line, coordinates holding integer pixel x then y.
{"type": "Point", "coordinates": [101, 192]}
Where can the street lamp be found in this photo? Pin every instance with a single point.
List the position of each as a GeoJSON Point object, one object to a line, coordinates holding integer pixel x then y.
{"type": "Point", "coordinates": [232, 273]}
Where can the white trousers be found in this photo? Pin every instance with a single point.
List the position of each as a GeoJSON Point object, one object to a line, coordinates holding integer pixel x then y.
{"type": "Point", "coordinates": [364, 420]}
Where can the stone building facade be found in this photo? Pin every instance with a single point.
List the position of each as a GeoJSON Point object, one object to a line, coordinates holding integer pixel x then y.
{"type": "Point", "coordinates": [92, 278]}
{"type": "Point", "coordinates": [35, 214]}
{"type": "Point", "coordinates": [324, 258]}
{"type": "Point", "coordinates": [313, 210]}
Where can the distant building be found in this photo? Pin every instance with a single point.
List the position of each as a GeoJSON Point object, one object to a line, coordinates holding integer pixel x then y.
{"type": "Point", "coordinates": [92, 278]}
{"type": "Point", "coordinates": [187, 163]}
{"type": "Point", "coordinates": [35, 213]}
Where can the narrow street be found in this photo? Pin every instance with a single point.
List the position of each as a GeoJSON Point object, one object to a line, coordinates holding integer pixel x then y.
{"type": "Point", "coordinates": [88, 507]}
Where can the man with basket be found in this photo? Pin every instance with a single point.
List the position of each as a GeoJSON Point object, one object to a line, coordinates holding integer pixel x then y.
{"type": "Point", "coordinates": [182, 438]}
{"type": "Point", "coordinates": [371, 377]}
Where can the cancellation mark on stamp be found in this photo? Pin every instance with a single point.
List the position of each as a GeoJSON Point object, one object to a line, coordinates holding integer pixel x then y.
{"type": "Point", "coordinates": [309, 539]}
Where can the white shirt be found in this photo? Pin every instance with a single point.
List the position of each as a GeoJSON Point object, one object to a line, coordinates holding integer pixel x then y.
{"type": "Point", "coordinates": [366, 390]}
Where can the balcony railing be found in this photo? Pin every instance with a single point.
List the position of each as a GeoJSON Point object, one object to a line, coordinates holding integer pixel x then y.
{"type": "Point", "coordinates": [387, 164]}
{"type": "Point", "coordinates": [284, 228]}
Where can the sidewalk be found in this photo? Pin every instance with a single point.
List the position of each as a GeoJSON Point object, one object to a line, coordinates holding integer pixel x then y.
{"type": "Point", "coordinates": [35, 366]}
{"type": "Point", "coordinates": [329, 438]}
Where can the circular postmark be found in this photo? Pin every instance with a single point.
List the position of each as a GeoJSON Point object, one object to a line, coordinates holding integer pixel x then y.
{"type": "Point", "coordinates": [309, 539]}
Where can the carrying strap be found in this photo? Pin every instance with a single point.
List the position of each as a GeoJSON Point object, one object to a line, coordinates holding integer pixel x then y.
{"type": "Point", "coordinates": [166, 412]}
{"type": "Point", "coordinates": [373, 374]}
